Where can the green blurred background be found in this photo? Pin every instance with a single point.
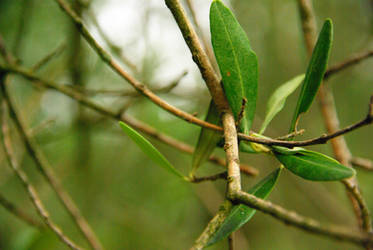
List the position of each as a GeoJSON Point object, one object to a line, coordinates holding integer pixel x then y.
{"type": "Point", "coordinates": [130, 202]}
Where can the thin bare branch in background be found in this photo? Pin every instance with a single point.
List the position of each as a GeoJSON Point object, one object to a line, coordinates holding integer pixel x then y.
{"type": "Point", "coordinates": [353, 60]}
{"type": "Point", "coordinates": [33, 195]}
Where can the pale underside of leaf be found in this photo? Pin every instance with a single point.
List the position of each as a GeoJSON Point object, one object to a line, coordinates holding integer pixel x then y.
{"type": "Point", "coordinates": [277, 100]}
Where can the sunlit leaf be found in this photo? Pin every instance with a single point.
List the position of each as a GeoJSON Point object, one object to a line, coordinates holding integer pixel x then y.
{"type": "Point", "coordinates": [241, 214]}
{"type": "Point", "coordinates": [237, 63]}
{"type": "Point", "coordinates": [149, 149]}
{"type": "Point", "coordinates": [277, 100]}
{"type": "Point", "coordinates": [315, 71]}
{"type": "Point", "coordinates": [207, 139]}
{"type": "Point", "coordinates": [312, 165]}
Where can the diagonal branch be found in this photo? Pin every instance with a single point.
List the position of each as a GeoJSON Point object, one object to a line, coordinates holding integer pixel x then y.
{"type": "Point", "coordinates": [353, 60]}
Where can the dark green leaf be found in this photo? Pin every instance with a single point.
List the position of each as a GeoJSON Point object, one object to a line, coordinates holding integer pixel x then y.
{"type": "Point", "coordinates": [312, 165]}
{"type": "Point", "coordinates": [277, 100]}
{"type": "Point", "coordinates": [149, 149]}
{"type": "Point", "coordinates": [315, 71]}
{"type": "Point", "coordinates": [241, 214]}
{"type": "Point", "coordinates": [237, 62]}
{"type": "Point", "coordinates": [207, 139]}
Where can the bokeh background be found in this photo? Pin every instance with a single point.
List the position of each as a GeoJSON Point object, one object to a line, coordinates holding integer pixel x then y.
{"type": "Point", "coordinates": [130, 202]}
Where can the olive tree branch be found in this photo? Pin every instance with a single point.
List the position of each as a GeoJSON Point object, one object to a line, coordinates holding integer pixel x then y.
{"type": "Point", "coordinates": [331, 120]}
{"type": "Point", "coordinates": [32, 193]}
{"type": "Point", "coordinates": [307, 224]}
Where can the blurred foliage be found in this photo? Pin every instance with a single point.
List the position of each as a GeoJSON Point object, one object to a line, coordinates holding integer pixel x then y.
{"type": "Point", "coordinates": [128, 201]}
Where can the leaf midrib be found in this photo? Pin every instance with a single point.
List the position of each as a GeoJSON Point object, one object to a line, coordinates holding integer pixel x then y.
{"type": "Point", "coordinates": [233, 49]}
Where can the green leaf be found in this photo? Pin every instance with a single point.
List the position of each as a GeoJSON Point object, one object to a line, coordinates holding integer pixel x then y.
{"type": "Point", "coordinates": [237, 62]}
{"type": "Point", "coordinates": [277, 100]}
{"type": "Point", "coordinates": [312, 165]}
{"type": "Point", "coordinates": [241, 214]}
{"type": "Point", "coordinates": [149, 149]}
{"type": "Point", "coordinates": [207, 139]}
{"type": "Point", "coordinates": [315, 71]}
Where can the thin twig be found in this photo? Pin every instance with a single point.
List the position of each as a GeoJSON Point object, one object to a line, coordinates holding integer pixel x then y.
{"type": "Point", "coordinates": [20, 214]}
{"type": "Point", "coordinates": [53, 54]}
{"type": "Point", "coordinates": [214, 177]}
{"type": "Point", "coordinates": [160, 90]}
{"type": "Point", "coordinates": [33, 195]}
{"type": "Point", "coordinates": [362, 163]}
{"type": "Point", "coordinates": [353, 60]}
{"type": "Point", "coordinates": [117, 50]}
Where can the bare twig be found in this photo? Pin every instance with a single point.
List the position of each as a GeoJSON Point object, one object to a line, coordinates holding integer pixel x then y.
{"type": "Point", "coordinates": [353, 60]}
{"type": "Point", "coordinates": [49, 175]}
{"type": "Point", "coordinates": [160, 90]}
{"type": "Point", "coordinates": [47, 171]}
{"type": "Point", "coordinates": [117, 50]}
{"type": "Point", "coordinates": [53, 54]}
{"type": "Point", "coordinates": [291, 135]}
{"type": "Point", "coordinates": [215, 177]}
{"type": "Point", "coordinates": [362, 163]}
{"type": "Point", "coordinates": [33, 195]}
{"type": "Point", "coordinates": [19, 213]}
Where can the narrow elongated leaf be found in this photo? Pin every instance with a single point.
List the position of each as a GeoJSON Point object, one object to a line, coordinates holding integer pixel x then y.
{"type": "Point", "coordinates": [277, 100]}
{"type": "Point", "coordinates": [312, 165]}
{"type": "Point", "coordinates": [237, 63]}
{"type": "Point", "coordinates": [241, 214]}
{"type": "Point", "coordinates": [315, 71]}
{"type": "Point", "coordinates": [207, 139]}
{"type": "Point", "coordinates": [149, 149]}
